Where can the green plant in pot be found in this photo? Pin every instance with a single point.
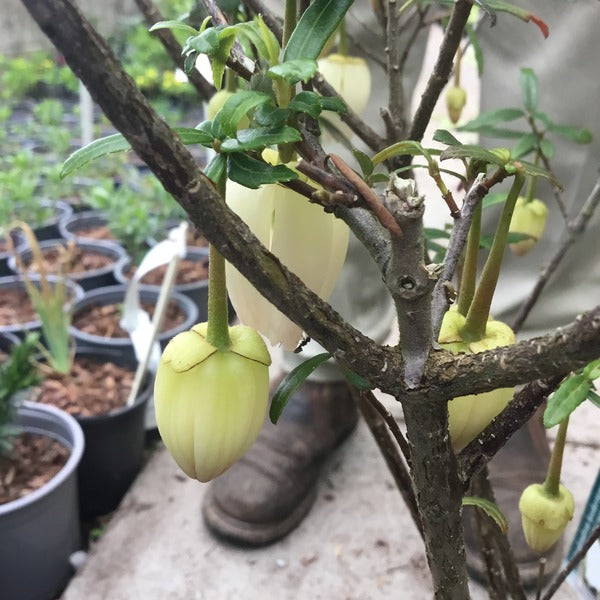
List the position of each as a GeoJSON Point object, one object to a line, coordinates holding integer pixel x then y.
{"type": "Point", "coordinates": [40, 449]}
{"type": "Point", "coordinates": [94, 390]}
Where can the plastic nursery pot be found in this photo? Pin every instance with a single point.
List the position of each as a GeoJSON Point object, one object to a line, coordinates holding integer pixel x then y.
{"type": "Point", "coordinates": [76, 226]}
{"type": "Point", "coordinates": [114, 446]}
{"type": "Point", "coordinates": [122, 347]}
{"type": "Point", "coordinates": [14, 292]}
{"type": "Point", "coordinates": [88, 279]}
{"type": "Point", "coordinates": [41, 530]}
{"type": "Point", "coordinates": [48, 230]}
{"type": "Point", "coordinates": [4, 256]}
{"type": "Point", "coordinates": [196, 290]}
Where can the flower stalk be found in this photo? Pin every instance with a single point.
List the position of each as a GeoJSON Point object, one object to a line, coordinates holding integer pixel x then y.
{"type": "Point", "coordinates": [552, 482]}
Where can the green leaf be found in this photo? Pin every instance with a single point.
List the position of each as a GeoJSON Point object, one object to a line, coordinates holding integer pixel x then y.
{"type": "Point", "coordinates": [474, 39]}
{"type": "Point", "coordinates": [493, 117]}
{"type": "Point", "coordinates": [306, 102]}
{"type": "Point", "coordinates": [259, 138]}
{"type": "Point", "coordinates": [493, 198]}
{"type": "Point", "coordinates": [221, 54]}
{"type": "Point", "coordinates": [236, 107]}
{"type": "Point", "coordinates": [547, 148]}
{"type": "Point", "coordinates": [269, 115]}
{"type": "Point", "coordinates": [471, 151]}
{"type": "Point", "coordinates": [333, 104]}
{"type": "Point", "coordinates": [357, 381]}
{"type": "Point", "coordinates": [485, 241]}
{"type": "Point", "coordinates": [526, 144]}
{"type": "Point", "coordinates": [251, 31]}
{"type": "Point", "coordinates": [568, 396]}
{"type": "Point", "coordinates": [366, 165]}
{"type": "Point", "coordinates": [379, 178]}
{"type": "Point", "coordinates": [592, 370]}
{"type": "Point", "coordinates": [580, 136]}
{"type": "Point", "coordinates": [500, 132]}
{"type": "Point", "coordinates": [253, 173]}
{"type": "Point", "coordinates": [176, 25]}
{"type": "Point", "coordinates": [593, 397]}
{"type": "Point", "coordinates": [490, 509]}
{"type": "Point", "coordinates": [532, 169]}
{"type": "Point", "coordinates": [270, 41]}
{"type": "Point", "coordinates": [431, 233]}
{"type": "Point", "coordinates": [445, 137]}
{"type": "Point", "coordinates": [291, 382]}
{"type": "Point", "coordinates": [293, 71]}
{"type": "Point", "coordinates": [117, 143]}
{"type": "Point", "coordinates": [529, 89]}
{"type": "Point", "coordinates": [407, 147]}
{"type": "Point", "coordinates": [206, 42]}
{"type": "Point", "coordinates": [215, 169]}
{"type": "Point", "coordinates": [315, 27]}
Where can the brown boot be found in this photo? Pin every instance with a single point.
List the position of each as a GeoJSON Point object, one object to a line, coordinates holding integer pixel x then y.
{"type": "Point", "coordinates": [271, 489]}
{"type": "Point", "coordinates": [523, 460]}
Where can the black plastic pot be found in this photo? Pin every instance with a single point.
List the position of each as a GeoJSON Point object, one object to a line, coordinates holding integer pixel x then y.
{"type": "Point", "coordinates": [114, 447]}
{"type": "Point", "coordinates": [88, 280]}
{"type": "Point", "coordinates": [40, 531]}
{"type": "Point", "coordinates": [71, 227]}
{"type": "Point", "coordinates": [14, 282]}
{"type": "Point", "coordinates": [122, 347]}
{"type": "Point", "coordinates": [197, 291]}
{"type": "Point", "coordinates": [48, 230]}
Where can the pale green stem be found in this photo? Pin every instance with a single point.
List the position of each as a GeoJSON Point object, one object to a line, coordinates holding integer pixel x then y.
{"type": "Point", "coordinates": [469, 273]}
{"type": "Point", "coordinates": [289, 20]}
{"type": "Point", "coordinates": [230, 80]}
{"type": "Point", "coordinates": [553, 476]}
{"type": "Point", "coordinates": [532, 184]}
{"type": "Point", "coordinates": [343, 39]}
{"type": "Point", "coordinates": [475, 324]}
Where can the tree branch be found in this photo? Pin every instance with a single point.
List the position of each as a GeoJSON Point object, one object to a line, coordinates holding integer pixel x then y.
{"type": "Point", "coordinates": [573, 230]}
{"type": "Point", "coordinates": [152, 15]}
{"type": "Point", "coordinates": [396, 102]}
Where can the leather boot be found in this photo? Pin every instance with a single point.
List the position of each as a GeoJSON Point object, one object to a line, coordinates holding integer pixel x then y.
{"type": "Point", "coordinates": [523, 460]}
{"type": "Point", "coordinates": [271, 489]}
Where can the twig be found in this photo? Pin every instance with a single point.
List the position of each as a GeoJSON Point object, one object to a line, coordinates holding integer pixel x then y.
{"type": "Point", "coordinates": [396, 101]}
{"type": "Point", "coordinates": [390, 453]}
{"type": "Point", "coordinates": [373, 201]}
{"type": "Point", "coordinates": [152, 15]}
{"type": "Point", "coordinates": [540, 578]}
{"type": "Point", "coordinates": [559, 579]}
{"type": "Point", "coordinates": [388, 417]}
{"type": "Point", "coordinates": [484, 447]}
{"type": "Point", "coordinates": [442, 69]}
{"type": "Point", "coordinates": [574, 229]}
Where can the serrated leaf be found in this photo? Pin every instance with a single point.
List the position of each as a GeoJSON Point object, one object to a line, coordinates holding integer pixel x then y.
{"type": "Point", "coordinates": [365, 163]}
{"type": "Point", "coordinates": [493, 117]}
{"type": "Point", "coordinates": [490, 509]}
{"type": "Point", "coordinates": [253, 173]}
{"type": "Point", "coordinates": [580, 136]}
{"type": "Point", "coordinates": [174, 25]}
{"type": "Point", "coordinates": [471, 151]}
{"type": "Point", "coordinates": [215, 169]}
{"type": "Point", "coordinates": [529, 88]}
{"type": "Point", "coordinates": [315, 27]}
{"type": "Point", "coordinates": [593, 397]}
{"type": "Point", "coordinates": [306, 102]}
{"type": "Point", "coordinates": [117, 143]}
{"type": "Point", "coordinates": [291, 382]}
{"type": "Point", "coordinates": [445, 137]}
{"type": "Point", "coordinates": [293, 71]}
{"type": "Point", "coordinates": [567, 397]}
{"type": "Point", "coordinates": [259, 138]}
{"type": "Point", "coordinates": [236, 107]}
{"type": "Point", "coordinates": [526, 144]}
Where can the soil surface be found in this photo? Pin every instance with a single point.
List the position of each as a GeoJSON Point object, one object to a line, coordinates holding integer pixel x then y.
{"type": "Point", "coordinates": [97, 232]}
{"type": "Point", "coordinates": [91, 388]}
{"type": "Point", "coordinates": [73, 260]}
{"type": "Point", "coordinates": [190, 271]}
{"type": "Point", "coordinates": [32, 461]}
{"type": "Point", "coordinates": [103, 320]}
{"type": "Point", "coordinates": [16, 307]}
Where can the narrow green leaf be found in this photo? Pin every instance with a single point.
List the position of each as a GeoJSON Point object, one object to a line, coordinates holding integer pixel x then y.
{"type": "Point", "coordinates": [293, 71]}
{"type": "Point", "coordinates": [580, 136]}
{"type": "Point", "coordinates": [526, 144]}
{"type": "Point", "coordinates": [215, 169]}
{"type": "Point", "coordinates": [253, 173]}
{"type": "Point", "coordinates": [492, 117]}
{"type": "Point", "coordinates": [593, 397]}
{"type": "Point", "coordinates": [474, 39]}
{"type": "Point", "coordinates": [485, 241]}
{"type": "Point", "coordinates": [315, 27]}
{"type": "Point", "coordinates": [378, 178]}
{"type": "Point", "coordinates": [268, 115]}
{"type": "Point", "coordinates": [206, 42]}
{"type": "Point", "coordinates": [270, 40]}
{"type": "Point", "coordinates": [445, 137]}
{"type": "Point", "coordinates": [365, 163]}
{"type": "Point", "coordinates": [236, 107]}
{"type": "Point", "coordinates": [291, 382]}
{"type": "Point", "coordinates": [592, 370]}
{"type": "Point", "coordinates": [431, 233]}
{"type": "Point", "coordinates": [333, 104]}
{"type": "Point", "coordinates": [529, 89]}
{"type": "Point", "coordinates": [357, 381]}
{"type": "Point", "coordinates": [490, 509]}
{"type": "Point", "coordinates": [407, 147]}
{"type": "Point", "coordinates": [221, 54]}
{"type": "Point", "coordinates": [471, 151]}
{"type": "Point", "coordinates": [176, 25]}
{"type": "Point", "coordinates": [493, 198]}
{"type": "Point", "coordinates": [259, 138]}
{"type": "Point", "coordinates": [547, 148]}
{"type": "Point", "coordinates": [252, 33]}
{"type": "Point", "coordinates": [568, 396]}
{"type": "Point", "coordinates": [500, 132]}
{"type": "Point", "coordinates": [532, 169]}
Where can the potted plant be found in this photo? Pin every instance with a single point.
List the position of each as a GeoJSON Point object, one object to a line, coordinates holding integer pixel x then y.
{"type": "Point", "coordinates": [40, 449]}
{"type": "Point", "coordinates": [93, 387]}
